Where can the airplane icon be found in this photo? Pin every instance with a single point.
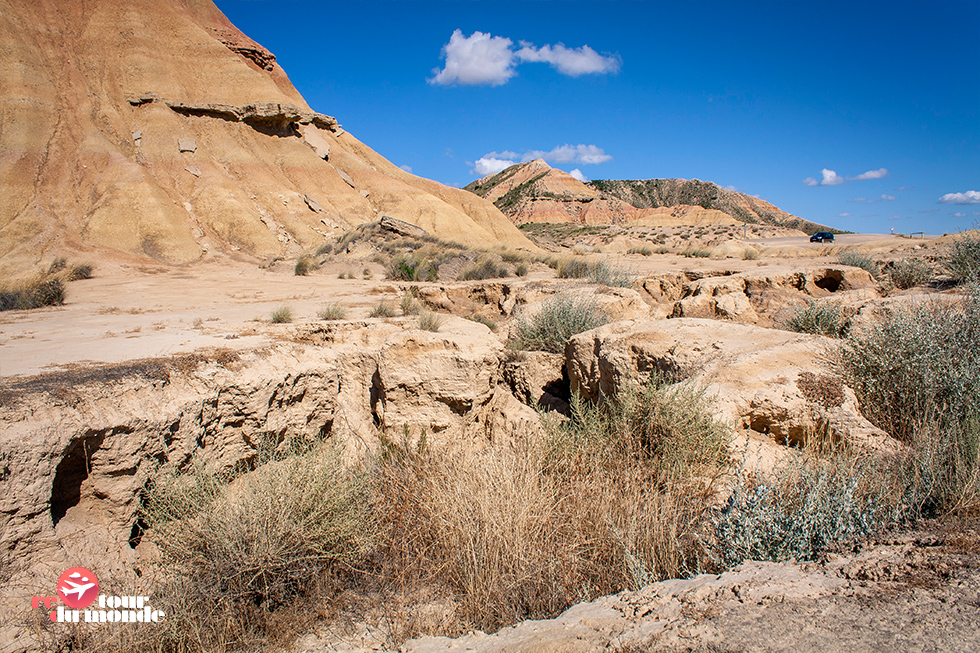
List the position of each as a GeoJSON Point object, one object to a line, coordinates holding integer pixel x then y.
{"type": "Point", "coordinates": [78, 589]}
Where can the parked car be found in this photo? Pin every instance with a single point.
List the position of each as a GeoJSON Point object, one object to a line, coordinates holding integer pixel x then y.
{"type": "Point", "coordinates": [822, 237]}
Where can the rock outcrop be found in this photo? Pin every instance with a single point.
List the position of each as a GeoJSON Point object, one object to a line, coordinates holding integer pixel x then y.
{"type": "Point", "coordinates": [536, 192]}
{"type": "Point", "coordinates": [773, 384]}
{"type": "Point", "coordinates": [101, 103]}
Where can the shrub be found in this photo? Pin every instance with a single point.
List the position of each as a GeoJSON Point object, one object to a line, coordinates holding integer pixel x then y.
{"type": "Point", "coordinates": [409, 304]}
{"type": "Point", "coordinates": [335, 311]}
{"type": "Point", "coordinates": [804, 505]}
{"type": "Point", "coordinates": [602, 273]}
{"type": "Point", "coordinates": [662, 250]}
{"type": "Point", "coordinates": [485, 321]}
{"type": "Point", "coordinates": [411, 267]}
{"type": "Point", "coordinates": [858, 260]}
{"type": "Point", "coordinates": [521, 269]}
{"type": "Point", "coordinates": [81, 271]}
{"type": "Point", "coordinates": [235, 553]}
{"type": "Point", "coordinates": [304, 265]}
{"type": "Point", "coordinates": [366, 273]}
{"type": "Point", "coordinates": [282, 315]}
{"type": "Point", "coordinates": [560, 318]}
{"type": "Point", "coordinates": [383, 309]}
{"type": "Point", "coordinates": [524, 531]}
{"type": "Point", "coordinates": [483, 269]}
{"type": "Point", "coordinates": [430, 321]}
{"type": "Point", "coordinates": [962, 258]}
{"type": "Point", "coordinates": [696, 252]}
{"type": "Point", "coordinates": [642, 251]}
{"type": "Point", "coordinates": [572, 268]}
{"type": "Point", "coordinates": [917, 365]}
{"type": "Point", "coordinates": [750, 254]}
{"type": "Point", "coordinates": [819, 318]}
{"type": "Point", "coordinates": [909, 273]}
{"type": "Point", "coordinates": [36, 292]}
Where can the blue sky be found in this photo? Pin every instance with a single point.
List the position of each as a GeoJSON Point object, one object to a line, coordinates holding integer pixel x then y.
{"type": "Point", "coordinates": [859, 115]}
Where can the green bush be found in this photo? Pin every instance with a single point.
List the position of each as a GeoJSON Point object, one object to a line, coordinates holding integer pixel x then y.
{"type": "Point", "coordinates": [484, 269]}
{"type": "Point", "coordinates": [282, 315]}
{"type": "Point", "coordinates": [696, 252]}
{"type": "Point", "coordinates": [572, 268]}
{"type": "Point", "coordinates": [521, 269]}
{"type": "Point", "coordinates": [819, 318]}
{"type": "Point", "coordinates": [430, 321]}
{"type": "Point", "coordinates": [412, 267]}
{"type": "Point", "coordinates": [334, 311]}
{"type": "Point", "coordinates": [383, 309]}
{"type": "Point", "coordinates": [858, 260]}
{"type": "Point", "coordinates": [750, 254]}
{"type": "Point", "coordinates": [917, 365]}
{"type": "Point", "coordinates": [909, 272]}
{"type": "Point", "coordinates": [642, 251]}
{"type": "Point", "coordinates": [39, 291]}
{"type": "Point", "coordinates": [304, 265]}
{"type": "Point", "coordinates": [962, 258]}
{"type": "Point", "coordinates": [604, 274]}
{"type": "Point", "coordinates": [560, 318]}
{"type": "Point", "coordinates": [805, 505]}
{"type": "Point", "coordinates": [410, 305]}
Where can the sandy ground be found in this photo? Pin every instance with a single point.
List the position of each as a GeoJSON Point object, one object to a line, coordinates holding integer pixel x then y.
{"type": "Point", "coordinates": [127, 312]}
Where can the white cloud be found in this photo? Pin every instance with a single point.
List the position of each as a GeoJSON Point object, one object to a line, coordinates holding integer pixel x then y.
{"type": "Point", "coordinates": [482, 59]}
{"type": "Point", "coordinates": [969, 197]}
{"type": "Point", "coordinates": [887, 198]}
{"type": "Point", "coordinates": [489, 165]}
{"type": "Point", "coordinates": [578, 175]}
{"type": "Point", "coordinates": [588, 154]}
{"type": "Point", "coordinates": [843, 215]}
{"type": "Point", "coordinates": [570, 61]}
{"type": "Point", "coordinates": [829, 178]}
{"type": "Point", "coordinates": [872, 174]}
{"type": "Point", "coordinates": [905, 188]}
{"type": "Point", "coordinates": [959, 215]}
{"type": "Point", "coordinates": [476, 59]}
{"type": "Point", "coordinates": [406, 168]}
{"type": "Point", "coordinates": [494, 162]}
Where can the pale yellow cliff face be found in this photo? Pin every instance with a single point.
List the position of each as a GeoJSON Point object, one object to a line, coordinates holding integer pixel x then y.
{"type": "Point", "coordinates": [98, 100]}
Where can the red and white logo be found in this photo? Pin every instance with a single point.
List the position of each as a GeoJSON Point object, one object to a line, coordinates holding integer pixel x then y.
{"type": "Point", "coordinates": [78, 587]}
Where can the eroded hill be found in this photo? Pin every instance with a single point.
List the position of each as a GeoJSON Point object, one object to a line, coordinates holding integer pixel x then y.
{"type": "Point", "coordinates": [159, 130]}
{"type": "Point", "coordinates": [536, 192]}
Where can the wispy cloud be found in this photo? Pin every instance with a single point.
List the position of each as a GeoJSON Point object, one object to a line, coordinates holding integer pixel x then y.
{"type": "Point", "coordinates": [969, 197]}
{"type": "Point", "coordinates": [485, 60]}
{"type": "Point", "coordinates": [493, 162]}
{"type": "Point", "coordinates": [871, 174]}
{"type": "Point", "coordinates": [888, 198]}
{"type": "Point", "coordinates": [929, 211]}
{"type": "Point", "coordinates": [829, 178]}
{"type": "Point", "coordinates": [569, 154]}
{"type": "Point", "coordinates": [905, 188]}
{"type": "Point", "coordinates": [570, 61]}
{"type": "Point", "coordinates": [406, 168]}
{"type": "Point", "coordinates": [843, 215]}
{"type": "Point", "coordinates": [959, 214]}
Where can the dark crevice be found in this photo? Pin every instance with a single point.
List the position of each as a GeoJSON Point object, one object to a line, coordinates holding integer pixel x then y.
{"type": "Point", "coordinates": [74, 468]}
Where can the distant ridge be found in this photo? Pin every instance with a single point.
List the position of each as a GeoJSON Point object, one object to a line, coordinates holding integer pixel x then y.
{"type": "Point", "coordinates": [535, 192]}
{"type": "Point", "coordinates": [654, 193]}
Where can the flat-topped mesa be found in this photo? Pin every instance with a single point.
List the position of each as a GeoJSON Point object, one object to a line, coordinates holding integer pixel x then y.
{"type": "Point", "coordinates": [263, 113]}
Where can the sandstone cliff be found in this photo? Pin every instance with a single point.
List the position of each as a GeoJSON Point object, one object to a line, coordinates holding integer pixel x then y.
{"type": "Point", "coordinates": [157, 129]}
